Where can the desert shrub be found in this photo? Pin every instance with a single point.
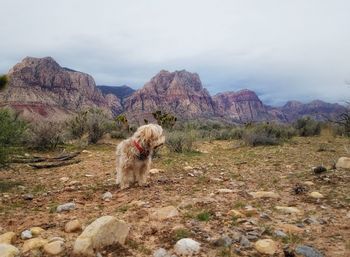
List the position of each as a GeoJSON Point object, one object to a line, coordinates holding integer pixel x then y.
{"type": "Point", "coordinates": [11, 133]}
{"type": "Point", "coordinates": [119, 134]}
{"type": "Point", "coordinates": [166, 120]}
{"type": "Point", "coordinates": [96, 125]}
{"type": "Point", "coordinates": [3, 82]}
{"type": "Point", "coordinates": [179, 142]}
{"type": "Point", "coordinates": [77, 126]}
{"type": "Point", "coordinates": [44, 135]}
{"type": "Point", "coordinates": [267, 134]}
{"type": "Point", "coordinates": [226, 134]}
{"type": "Point", "coordinates": [307, 127]}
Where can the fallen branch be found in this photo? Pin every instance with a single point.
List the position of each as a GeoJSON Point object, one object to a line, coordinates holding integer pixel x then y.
{"type": "Point", "coordinates": [35, 159]}
{"type": "Point", "coordinates": [54, 164]}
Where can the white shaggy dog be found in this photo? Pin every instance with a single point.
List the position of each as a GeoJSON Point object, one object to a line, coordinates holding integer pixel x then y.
{"type": "Point", "coordinates": [134, 155]}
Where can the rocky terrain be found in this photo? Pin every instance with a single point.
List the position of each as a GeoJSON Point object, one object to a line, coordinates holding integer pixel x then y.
{"type": "Point", "coordinates": [227, 199]}
{"type": "Point", "coordinates": [41, 89]}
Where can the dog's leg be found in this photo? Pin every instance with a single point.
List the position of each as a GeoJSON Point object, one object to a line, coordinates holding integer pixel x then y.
{"type": "Point", "coordinates": [144, 172]}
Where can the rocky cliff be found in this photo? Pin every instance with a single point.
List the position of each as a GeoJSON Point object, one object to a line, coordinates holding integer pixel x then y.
{"type": "Point", "coordinates": [41, 88]}
{"type": "Point", "coordinates": [179, 92]}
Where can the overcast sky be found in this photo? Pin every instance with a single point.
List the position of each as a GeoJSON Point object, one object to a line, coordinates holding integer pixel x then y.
{"type": "Point", "coordinates": [291, 49]}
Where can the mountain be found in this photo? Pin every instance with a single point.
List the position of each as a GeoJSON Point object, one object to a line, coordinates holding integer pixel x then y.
{"type": "Point", "coordinates": [120, 91]}
{"type": "Point", "coordinates": [179, 92]}
{"type": "Point", "coordinates": [241, 106]}
{"type": "Point", "coordinates": [41, 88]}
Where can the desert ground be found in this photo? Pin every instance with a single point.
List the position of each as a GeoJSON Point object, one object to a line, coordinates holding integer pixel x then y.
{"type": "Point", "coordinates": [213, 189]}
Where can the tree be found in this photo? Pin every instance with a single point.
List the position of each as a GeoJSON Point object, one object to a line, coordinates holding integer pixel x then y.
{"type": "Point", "coordinates": [166, 120]}
{"type": "Point", "coordinates": [3, 82]}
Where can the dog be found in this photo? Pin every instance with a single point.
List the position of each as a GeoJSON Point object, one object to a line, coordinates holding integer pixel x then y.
{"type": "Point", "coordinates": [134, 155]}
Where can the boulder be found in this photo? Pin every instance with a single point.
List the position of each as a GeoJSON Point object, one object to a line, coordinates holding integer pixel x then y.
{"type": "Point", "coordinates": [7, 250]}
{"type": "Point", "coordinates": [104, 231]}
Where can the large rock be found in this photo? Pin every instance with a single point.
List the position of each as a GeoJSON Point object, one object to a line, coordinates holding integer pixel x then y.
{"type": "Point", "coordinates": [266, 246]}
{"type": "Point", "coordinates": [34, 243]}
{"type": "Point", "coordinates": [187, 247]}
{"type": "Point", "coordinates": [343, 163]}
{"type": "Point", "coordinates": [164, 213]}
{"type": "Point", "coordinates": [7, 250]}
{"type": "Point", "coordinates": [104, 231]}
{"type": "Point", "coordinates": [7, 238]}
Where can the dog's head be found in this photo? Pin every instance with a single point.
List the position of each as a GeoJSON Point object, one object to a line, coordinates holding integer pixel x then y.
{"type": "Point", "coordinates": [151, 135]}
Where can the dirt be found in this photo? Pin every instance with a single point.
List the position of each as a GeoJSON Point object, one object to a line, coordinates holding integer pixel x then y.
{"type": "Point", "coordinates": [218, 165]}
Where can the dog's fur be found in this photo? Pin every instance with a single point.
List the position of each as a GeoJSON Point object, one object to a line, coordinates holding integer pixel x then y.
{"type": "Point", "coordinates": [132, 164]}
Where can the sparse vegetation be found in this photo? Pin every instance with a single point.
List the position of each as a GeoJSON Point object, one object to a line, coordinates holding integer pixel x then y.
{"type": "Point", "coordinates": [179, 142]}
{"type": "Point", "coordinates": [166, 120]}
{"type": "Point", "coordinates": [44, 135]}
{"type": "Point", "coordinates": [307, 127]}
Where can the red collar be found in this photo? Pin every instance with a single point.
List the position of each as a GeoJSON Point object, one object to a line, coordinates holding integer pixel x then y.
{"type": "Point", "coordinates": [139, 147]}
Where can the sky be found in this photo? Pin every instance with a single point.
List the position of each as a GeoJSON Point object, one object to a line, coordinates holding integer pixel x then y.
{"type": "Point", "coordinates": [282, 49]}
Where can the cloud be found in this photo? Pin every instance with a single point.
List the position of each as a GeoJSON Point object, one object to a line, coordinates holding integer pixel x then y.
{"type": "Point", "coordinates": [281, 49]}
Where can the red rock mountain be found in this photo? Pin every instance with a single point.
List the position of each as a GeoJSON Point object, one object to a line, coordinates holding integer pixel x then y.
{"type": "Point", "coordinates": [41, 88]}
{"type": "Point", "coordinates": [178, 92]}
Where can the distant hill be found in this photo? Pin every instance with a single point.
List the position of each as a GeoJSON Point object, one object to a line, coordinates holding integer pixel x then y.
{"type": "Point", "coordinates": [119, 91]}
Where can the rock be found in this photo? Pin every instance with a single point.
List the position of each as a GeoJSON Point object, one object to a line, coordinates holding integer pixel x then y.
{"type": "Point", "coordinates": [36, 231]}
{"type": "Point", "coordinates": [7, 250]}
{"type": "Point", "coordinates": [310, 221]}
{"type": "Point", "coordinates": [249, 210]}
{"type": "Point", "coordinates": [264, 194]}
{"type": "Point", "coordinates": [64, 179]}
{"type": "Point", "coordinates": [343, 163]}
{"type": "Point", "coordinates": [280, 233]}
{"type": "Point", "coordinates": [187, 247]}
{"type": "Point", "coordinates": [28, 197]}
{"type": "Point", "coordinates": [236, 214]}
{"type": "Point", "coordinates": [138, 203]}
{"type": "Point", "coordinates": [26, 234]}
{"type": "Point", "coordinates": [244, 242]}
{"type": "Point", "coordinates": [288, 210]}
{"type": "Point", "coordinates": [225, 191]}
{"type": "Point", "coordinates": [56, 238]}
{"type": "Point", "coordinates": [307, 251]}
{"type": "Point", "coordinates": [155, 171]}
{"type": "Point", "coordinates": [266, 246]}
{"type": "Point", "coordinates": [7, 238]}
{"type": "Point", "coordinates": [187, 168]}
{"type": "Point", "coordinates": [291, 229]}
{"type": "Point", "coordinates": [318, 169]}
{"type": "Point", "coordinates": [34, 243]}
{"type": "Point", "coordinates": [54, 248]}
{"type": "Point", "coordinates": [316, 195]}
{"type": "Point", "coordinates": [107, 196]}
{"type": "Point", "coordinates": [72, 226]}
{"type": "Point", "coordinates": [309, 183]}
{"type": "Point", "coordinates": [65, 207]}
{"type": "Point", "coordinates": [161, 252]}
{"type": "Point", "coordinates": [224, 241]}
{"type": "Point", "coordinates": [165, 213]}
{"type": "Point", "coordinates": [104, 231]}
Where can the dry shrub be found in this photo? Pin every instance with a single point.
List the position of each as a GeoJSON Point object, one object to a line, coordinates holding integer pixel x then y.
{"type": "Point", "coordinates": [45, 135]}
{"type": "Point", "coordinates": [179, 142]}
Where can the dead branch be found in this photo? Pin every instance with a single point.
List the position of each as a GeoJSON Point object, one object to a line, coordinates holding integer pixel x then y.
{"type": "Point", "coordinates": [36, 159]}
{"type": "Point", "coordinates": [54, 164]}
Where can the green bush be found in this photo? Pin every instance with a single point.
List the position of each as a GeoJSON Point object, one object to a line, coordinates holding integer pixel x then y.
{"type": "Point", "coordinates": [307, 127]}
{"type": "Point", "coordinates": [11, 133]}
{"type": "Point", "coordinates": [179, 141]}
{"type": "Point", "coordinates": [267, 134]}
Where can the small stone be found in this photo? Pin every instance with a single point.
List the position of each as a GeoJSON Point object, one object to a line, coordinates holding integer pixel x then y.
{"type": "Point", "coordinates": [26, 234]}
{"type": "Point", "coordinates": [54, 248]}
{"type": "Point", "coordinates": [310, 221]}
{"type": "Point", "coordinates": [187, 247]}
{"type": "Point", "coordinates": [28, 197]}
{"type": "Point", "coordinates": [155, 171]}
{"type": "Point", "coordinates": [236, 214]}
{"type": "Point", "coordinates": [36, 231]}
{"type": "Point", "coordinates": [343, 163]}
{"type": "Point", "coordinates": [64, 179]}
{"type": "Point", "coordinates": [7, 250]}
{"type": "Point", "coordinates": [264, 194]}
{"type": "Point", "coordinates": [291, 229]}
{"type": "Point", "coordinates": [244, 242]}
{"type": "Point", "coordinates": [7, 238]}
{"type": "Point", "coordinates": [307, 251]}
{"type": "Point", "coordinates": [66, 207]}
{"type": "Point", "coordinates": [265, 216]}
{"type": "Point", "coordinates": [318, 169]}
{"type": "Point", "coordinates": [309, 183]}
{"type": "Point", "coordinates": [223, 241]}
{"type": "Point", "coordinates": [34, 243]}
{"type": "Point", "coordinates": [288, 210]}
{"type": "Point", "coordinates": [187, 168]}
{"type": "Point", "coordinates": [280, 233]}
{"type": "Point", "coordinates": [161, 252]}
{"type": "Point", "coordinates": [56, 238]}
{"type": "Point", "coordinates": [316, 195]}
{"type": "Point", "coordinates": [72, 226]}
{"type": "Point", "coordinates": [107, 196]}
{"type": "Point", "coordinates": [138, 203]}
{"type": "Point", "coordinates": [266, 246]}
{"type": "Point", "coordinates": [104, 231]}
{"type": "Point", "coordinates": [225, 191]}
{"type": "Point", "coordinates": [165, 213]}
{"type": "Point", "coordinates": [249, 210]}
